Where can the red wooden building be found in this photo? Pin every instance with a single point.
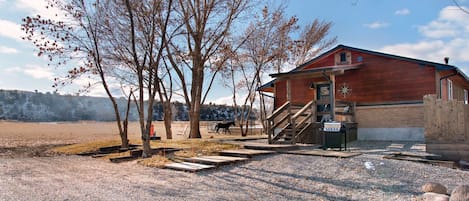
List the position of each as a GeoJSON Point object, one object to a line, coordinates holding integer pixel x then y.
{"type": "Point", "coordinates": [381, 92]}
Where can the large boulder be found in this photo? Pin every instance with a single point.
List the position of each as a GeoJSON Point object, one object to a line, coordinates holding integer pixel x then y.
{"type": "Point", "coordinates": [429, 196]}
{"type": "Point", "coordinates": [460, 193]}
{"type": "Point", "coordinates": [434, 187]}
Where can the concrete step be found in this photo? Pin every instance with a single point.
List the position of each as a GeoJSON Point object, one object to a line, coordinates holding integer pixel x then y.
{"type": "Point", "coordinates": [245, 153]}
{"type": "Point", "coordinates": [189, 167]}
{"type": "Point", "coordinates": [215, 160]}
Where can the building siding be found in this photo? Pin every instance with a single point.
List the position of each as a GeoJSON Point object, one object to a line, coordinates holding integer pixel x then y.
{"type": "Point", "coordinates": [378, 80]}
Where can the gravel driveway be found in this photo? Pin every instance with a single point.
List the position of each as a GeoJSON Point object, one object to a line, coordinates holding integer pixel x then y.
{"type": "Point", "coordinates": [274, 177]}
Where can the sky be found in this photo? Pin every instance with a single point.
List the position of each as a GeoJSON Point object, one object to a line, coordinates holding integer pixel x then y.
{"type": "Point", "coordinates": [428, 30]}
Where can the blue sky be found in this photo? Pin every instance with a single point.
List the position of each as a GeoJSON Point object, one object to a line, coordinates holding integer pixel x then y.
{"type": "Point", "coordinates": [429, 30]}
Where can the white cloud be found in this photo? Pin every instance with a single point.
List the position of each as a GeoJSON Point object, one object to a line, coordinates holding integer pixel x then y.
{"type": "Point", "coordinates": [445, 36]}
{"type": "Point", "coordinates": [33, 71]}
{"type": "Point", "coordinates": [10, 29]}
{"type": "Point", "coordinates": [403, 11]}
{"type": "Point", "coordinates": [38, 7]}
{"type": "Point", "coordinates": [376, 25]}
{"type": "Point", "coordinates": [451, 22]}
{"type": "Point", "coordinates": [8, 50]}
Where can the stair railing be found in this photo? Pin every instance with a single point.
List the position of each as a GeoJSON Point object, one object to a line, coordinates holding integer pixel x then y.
{"type": "Point", "coordinates": [311, 107]}
{"type": "Point", "coordinates": [271, 124]}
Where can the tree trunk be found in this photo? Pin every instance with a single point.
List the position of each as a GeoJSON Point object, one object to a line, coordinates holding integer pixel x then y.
{"type": "Point", "coordinates": [195, 124]}
{"type": "Point", "coordinates": [168, 114]}
{"type": "Point", "coordinates": [146, 141]}
{"type": "Point", "coordinates": [196, 92]}
{"type": "Point", "coordinates": [124, 138]}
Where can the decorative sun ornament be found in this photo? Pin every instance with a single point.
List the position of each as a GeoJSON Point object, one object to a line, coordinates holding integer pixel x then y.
{"type": "Point", "coordinates": [345, 90]}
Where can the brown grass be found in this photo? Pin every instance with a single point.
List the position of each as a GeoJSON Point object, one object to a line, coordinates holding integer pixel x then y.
{"type": "Point", "coordinates": [90, 136]}
{"type": "Point", "coordinates": [157, 161]}
{"type": "Point", "coordinates": [84, 147]}
{"type": "Point", "coordinates": [191, 148]}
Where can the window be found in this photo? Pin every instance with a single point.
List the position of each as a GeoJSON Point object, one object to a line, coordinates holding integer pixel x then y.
{"type": "Point", "coordinates": [450, 89]}
{"type": "Point", "coordinates": [466, 97]}
{"type": "Point", "coordinates": [360, 59]}
{"type": "Point", "coordinates": [343, 57]}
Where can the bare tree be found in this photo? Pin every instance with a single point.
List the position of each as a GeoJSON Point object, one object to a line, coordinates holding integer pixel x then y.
{"type": "Point", "coordinates": [313, 40]}
{"type": "Point", "coordinates": [462, 8]}
{"type": "Point", "coordinates": [122, 40]}
{"type": "Point", "coordinates": [266, 44]}
{"type": "Point", "coordinates": [137, 41]}
{"type": "Point", "coordinates": [205, 26]}
{"type": "Point", "coordinates": [75, 40]}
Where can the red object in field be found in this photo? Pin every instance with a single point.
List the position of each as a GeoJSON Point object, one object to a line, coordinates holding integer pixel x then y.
{"type": "Point", "coordinates": [152, 130]}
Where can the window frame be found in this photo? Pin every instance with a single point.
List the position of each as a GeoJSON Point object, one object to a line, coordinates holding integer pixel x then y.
{"type": "Point", "coordinates": [450, 89]}
{"type": "Point", "coordinates": [466, 96]}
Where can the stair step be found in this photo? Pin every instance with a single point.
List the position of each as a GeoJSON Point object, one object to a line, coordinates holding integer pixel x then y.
{"type": "Point", "coordinates": [272, 147]}
{"type": "Point", "coordinates": [215, 160]}
{"type": "Point", "coordinates": [282, 142]}
{"type": "Point", "coordinates": [246, 153]}
{"type": "Point", "coordinates": [187, 166]}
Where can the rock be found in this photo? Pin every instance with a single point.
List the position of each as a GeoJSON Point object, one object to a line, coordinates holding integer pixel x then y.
{"type": "Point", "coordinates": [434, 187]}
{"type": "Point", "coordinates": [460, 193]}
{"type": "Point", "coordinates": [429, 196]}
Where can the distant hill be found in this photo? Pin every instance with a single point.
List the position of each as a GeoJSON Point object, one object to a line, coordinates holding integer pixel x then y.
{"type": "Point", "coordinates": [46, 107]}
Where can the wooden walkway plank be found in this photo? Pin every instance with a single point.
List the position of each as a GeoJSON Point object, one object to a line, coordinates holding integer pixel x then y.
{"type": "Point", "coordinates": [246, 153]}
{"type": "Point", "coordinates": [215, 160]}
{"type": "Point", "coordinates": [319, 152]}
{"type": "Point", "coordinates": [187, 166]}
{"type": "Point", "coordinates": [272, 147]}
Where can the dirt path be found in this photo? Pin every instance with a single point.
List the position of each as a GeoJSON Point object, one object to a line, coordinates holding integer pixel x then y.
{"type": "Point", "coordinates": [27, 173]}
{"type": "Point", "coordinates": [274, 177]}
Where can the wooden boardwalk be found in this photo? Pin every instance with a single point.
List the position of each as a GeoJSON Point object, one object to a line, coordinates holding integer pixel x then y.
{"type": "Point", "coordinates": [319, 152]}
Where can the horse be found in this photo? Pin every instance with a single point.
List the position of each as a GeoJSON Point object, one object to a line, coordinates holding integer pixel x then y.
{"type": "Point", "coordinates": [225, 126]}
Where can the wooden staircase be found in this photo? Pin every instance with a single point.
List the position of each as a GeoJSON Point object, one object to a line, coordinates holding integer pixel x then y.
{"type": "Point", "coordinates": [289, 122]}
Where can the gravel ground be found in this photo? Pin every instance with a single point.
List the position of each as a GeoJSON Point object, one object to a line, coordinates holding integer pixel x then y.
{"type": "Point", "coordinates": [273, 177]}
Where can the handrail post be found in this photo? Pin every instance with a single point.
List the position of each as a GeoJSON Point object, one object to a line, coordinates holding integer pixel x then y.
{"type": "Point", "coordinates": [290, 120]}
{"type": "Point", "coordinates": [293, 123]}
{"type": "Point", "coordinates": [269, 131]}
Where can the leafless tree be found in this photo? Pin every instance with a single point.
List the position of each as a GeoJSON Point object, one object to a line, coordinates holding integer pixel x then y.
{"type": "Point", "coordinates": [119, 40]}
{"type": "Point", "coordinates": [313, 40]}
{"type": "Point", "coordinates": [266, 44]}
{"type": "Point", "coordinates": [195, 52]}
{"type": "Point", "coordinates": [75, 42]}
{"type": "Point", "coordinates": [462, 8]}
{"type": "Point", "coordinates": [137, 31]}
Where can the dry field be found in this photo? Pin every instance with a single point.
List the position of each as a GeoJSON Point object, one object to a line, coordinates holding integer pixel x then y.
{"type": "Point", "coordinates": [33, 139]}
{"type": "Point", "coordinates": [14, 134]}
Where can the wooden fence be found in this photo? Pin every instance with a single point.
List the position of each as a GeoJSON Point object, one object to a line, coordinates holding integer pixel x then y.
{"type": "Point", "coordinates": [446, 126]}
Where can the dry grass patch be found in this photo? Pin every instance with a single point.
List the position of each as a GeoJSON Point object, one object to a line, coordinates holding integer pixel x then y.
{"type": "Point", "coordinates": [84, 147]}
{"type": "Point", "coordinates": [190, 148]}
{"type": "Point", "coordinates": [157, 161]}
{"type": "Point", "coordinates": [195, 147]}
